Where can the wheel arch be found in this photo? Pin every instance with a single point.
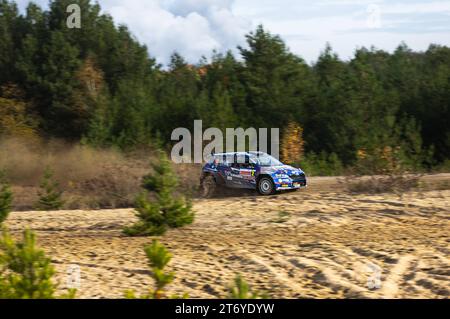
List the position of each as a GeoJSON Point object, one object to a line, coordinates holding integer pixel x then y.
{"type": "Point", "coordinates": [206, 174]}
{"type": "Point", "coordinates": [264, 175]}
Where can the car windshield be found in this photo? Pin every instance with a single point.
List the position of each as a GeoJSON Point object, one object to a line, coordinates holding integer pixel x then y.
{"type": "Point", "coordinates": [265, 160]}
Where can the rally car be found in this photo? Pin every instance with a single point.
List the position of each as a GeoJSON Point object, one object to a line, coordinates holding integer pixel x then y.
{"type": "Point", "coordinates": [250, 170]}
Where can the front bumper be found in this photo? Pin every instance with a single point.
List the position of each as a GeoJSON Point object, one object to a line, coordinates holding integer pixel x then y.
{"type": "Point", "coordinates": [280, 186]}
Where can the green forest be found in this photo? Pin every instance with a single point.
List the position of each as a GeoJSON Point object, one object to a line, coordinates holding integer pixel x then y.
{"type": "Point", "coordinates": [99, 86]}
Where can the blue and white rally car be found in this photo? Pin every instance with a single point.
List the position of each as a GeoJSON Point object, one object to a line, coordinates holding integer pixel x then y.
{"type": "Point", "coordinates": [250, 170]}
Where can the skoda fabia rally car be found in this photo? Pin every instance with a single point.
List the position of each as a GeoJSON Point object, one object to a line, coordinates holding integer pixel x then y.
{"type": "Point", "coordinates": [250, 170]}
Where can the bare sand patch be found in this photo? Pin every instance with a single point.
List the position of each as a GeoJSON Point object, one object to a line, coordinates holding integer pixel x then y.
{"type": "Point", "coordinates": [318, 247]}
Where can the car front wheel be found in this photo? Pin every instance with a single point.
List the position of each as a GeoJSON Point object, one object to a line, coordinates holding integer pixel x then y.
{"type": "Point", "coordinates": [266, 186]}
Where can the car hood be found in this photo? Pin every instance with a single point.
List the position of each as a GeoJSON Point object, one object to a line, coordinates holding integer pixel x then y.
{"type": "Point", "coordinates": [282, 169]}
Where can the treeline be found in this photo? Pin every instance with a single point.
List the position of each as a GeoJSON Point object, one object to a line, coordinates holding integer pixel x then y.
{"type": "Point", "coordinates": [99, 85]}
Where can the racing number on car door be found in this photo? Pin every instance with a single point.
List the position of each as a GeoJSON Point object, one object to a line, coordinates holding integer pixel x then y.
{"type": "Point", "coordinates": [247, 175]}
{"type": "Point", "coordinates": [242, 172]}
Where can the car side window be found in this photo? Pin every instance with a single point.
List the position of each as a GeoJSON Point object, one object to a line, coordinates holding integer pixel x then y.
{"type": "Point", "coordinates": [236, 165]}
{"type": "Point", "coordinates": [241, 159]}
{"type": "Point", "coordinates": [228, 160]}
{"type": "Point", "coordinates": [242, 162]}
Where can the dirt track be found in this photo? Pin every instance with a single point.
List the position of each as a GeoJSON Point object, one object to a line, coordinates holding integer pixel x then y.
{"type": "Point", "coordinates": [315, 243]}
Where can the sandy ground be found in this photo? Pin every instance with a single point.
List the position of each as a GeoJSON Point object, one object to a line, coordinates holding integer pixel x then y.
{"type": "Point", "coordinates": [317, 243]}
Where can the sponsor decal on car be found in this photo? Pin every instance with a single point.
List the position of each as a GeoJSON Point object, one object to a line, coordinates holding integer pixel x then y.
{"type": "Point", "coordinates": [284, 177]}
{"type": "Point", "coordinates": [247, 174]}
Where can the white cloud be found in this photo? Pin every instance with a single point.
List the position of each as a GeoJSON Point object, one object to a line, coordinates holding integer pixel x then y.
{"type": "Point", "coordinates": [201, 6]}
{"type": "Point", "coordinates": [196, 27]}
{"type": "Point", "coordinates": [193, 27]}
{"type": "Point", "coordinates": [307, 26]}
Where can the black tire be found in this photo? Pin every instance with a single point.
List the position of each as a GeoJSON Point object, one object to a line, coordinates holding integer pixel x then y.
{"type": "Point", "coordinates": [208, 187]}
{"type": "Point", "coordinates": [266, 186]}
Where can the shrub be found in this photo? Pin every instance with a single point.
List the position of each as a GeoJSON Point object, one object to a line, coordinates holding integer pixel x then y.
{"type": "Point", "coordinates": [389, 163]}
{"type": "Point", "coordinates": [16, 118]}
{"type": "Point", "coordinates": [158, 258]}
{"type": "Point", "coordinates": [241, 290]}
{"type": "Point", "coordinates": [5, 198]}
{"type": "Point", "coordinates": [25, 271]}
{"type": "Point", "coordinates": [166, 210]}
{"type": "Point", "coordinates": [378, 161]}
{"type": "Point", "coordinates": [50, 194]}
{"type": "Point", "coordinates": [395, 183]}
{"type": "Point", "coordinates": [444, 167]}
{"type": "Point", "coordinates": [322, 164]}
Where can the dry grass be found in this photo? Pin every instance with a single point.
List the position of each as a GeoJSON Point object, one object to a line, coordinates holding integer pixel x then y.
{"type": "Point", "coordinates": [91, 178]}
{"type": "Point", "coordinates": [397, 184]}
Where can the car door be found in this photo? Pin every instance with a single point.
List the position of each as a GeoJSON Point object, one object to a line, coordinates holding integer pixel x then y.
{"type": "Point", "coordinates": [243, 173]}
{"type": "Point", "coordinates": [225, 170]}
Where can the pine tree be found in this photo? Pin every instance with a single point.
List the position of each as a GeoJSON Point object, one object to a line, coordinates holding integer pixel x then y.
{"type": "Point", "coordinates": [273, 78]}
{"type": "Point", "coordinates": [16, 116]}
{"type": "Point", "coordinates": [167, 210]}
{"type": "Point", "coordinates": [158, 257]}
{"type": "Point", "coordinates": [330, 119]}
{"type": "Point", "coordinates": [178, 96]}
{"type": "Point", "coordinates": [241, 290]}
{"type": "Point", "coordinates": [101, 124]}
{"type": "Point", "coordinates": [9, 14]}
{"type": "Point", "coordinates": [25, 271]}
{"type": "Point", "coordinates": [50, 194]}
{"type": "Point", "coordinates": [99, 83]}
{"type": "Point", "coordinates": [5, 198]}
{"type": "Point", "coordinates": [151, 220]}
{"type": "Point", "coordinates": [221, 109]}
{"type": "Point", "coordinates": [227, 98]}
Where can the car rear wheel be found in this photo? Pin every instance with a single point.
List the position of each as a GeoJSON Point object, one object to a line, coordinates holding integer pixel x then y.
{"type": "Point", "coordinates": [208, 186]}
{"type": "Point", "coordinates": [266, 186]}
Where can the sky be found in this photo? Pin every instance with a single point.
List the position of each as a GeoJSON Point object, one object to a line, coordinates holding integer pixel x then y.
{"type": "Point", "coordinates": [194, 28]}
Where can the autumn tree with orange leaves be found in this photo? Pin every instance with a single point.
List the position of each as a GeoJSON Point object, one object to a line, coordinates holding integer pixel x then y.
{"type": "Point", "coordinates": [292, 145]}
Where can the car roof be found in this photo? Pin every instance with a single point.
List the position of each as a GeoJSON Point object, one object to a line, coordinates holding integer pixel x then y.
{"type": "Point", "coordinates": [239, 153]}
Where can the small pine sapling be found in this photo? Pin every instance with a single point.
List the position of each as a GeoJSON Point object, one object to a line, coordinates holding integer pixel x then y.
{"type": "Point", "coordinates": [166, 210]}
{"type": "Point", "coordinates": [158, 258]}
{"type": "Point", "coordinates": [151, 221]}
{"type": "Point", "coordinates": [241, 290]}
{"type": "Point", "coordinates": [25, 271]}
{"type": "Point", "coordinates": [6, 197]}
{"type": "Point", "coordinates": [50, 196]}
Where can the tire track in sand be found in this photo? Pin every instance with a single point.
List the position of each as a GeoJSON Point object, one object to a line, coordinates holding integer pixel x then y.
{"type": "Point", "coordinates": [390, 286]}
